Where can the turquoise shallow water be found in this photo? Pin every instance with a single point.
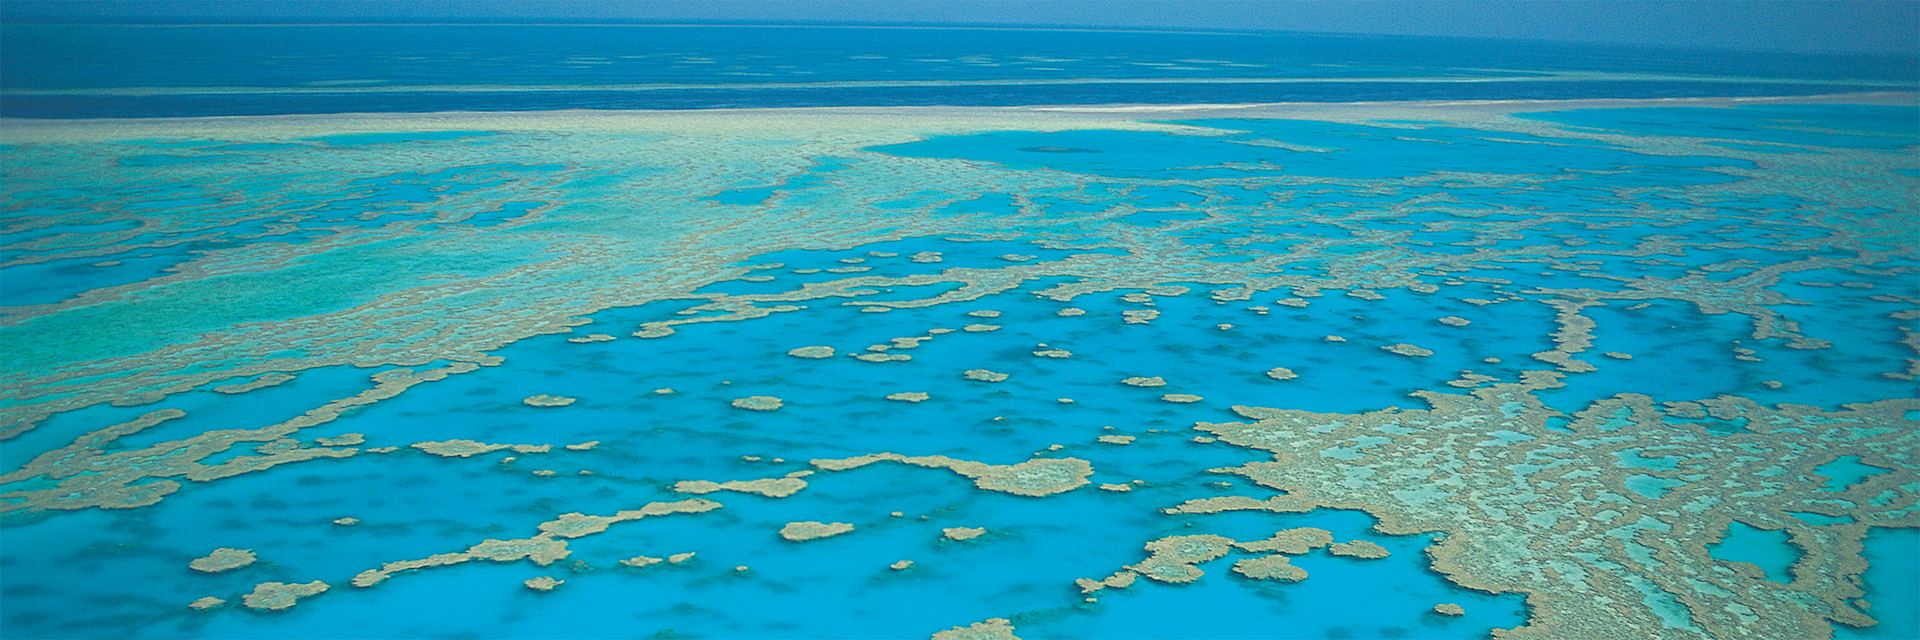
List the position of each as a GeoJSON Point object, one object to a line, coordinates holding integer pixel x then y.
{"type": "Point", "coordinates": [1543, 356]}
{"type": "Point", "coordinates": [1895, 574]}
{"type": "Point", "coordinates": [831, 411]}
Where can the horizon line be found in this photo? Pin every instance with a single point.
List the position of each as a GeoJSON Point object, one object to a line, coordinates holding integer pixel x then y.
{"type": "Point", "coordinates": [172, 22]}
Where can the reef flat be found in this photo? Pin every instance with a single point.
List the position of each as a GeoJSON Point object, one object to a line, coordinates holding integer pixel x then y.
{"type": "Point", "coordinates": [1597, 369]}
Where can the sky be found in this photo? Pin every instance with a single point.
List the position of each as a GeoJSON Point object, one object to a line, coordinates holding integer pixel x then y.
{"type": "Point", "coordinates": [1859, 26]}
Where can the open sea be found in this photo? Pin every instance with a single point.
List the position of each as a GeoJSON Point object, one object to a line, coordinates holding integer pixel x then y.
{"type": "Point", "coordinates": [762, 331]}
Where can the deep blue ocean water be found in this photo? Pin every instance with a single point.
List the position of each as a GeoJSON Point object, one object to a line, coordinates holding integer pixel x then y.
{"type": "Point", "coordinates": [79, 71]}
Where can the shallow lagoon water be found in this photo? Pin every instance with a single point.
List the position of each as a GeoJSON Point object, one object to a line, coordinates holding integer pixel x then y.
{"type": "Point", "coordinates": [1581, 375]}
